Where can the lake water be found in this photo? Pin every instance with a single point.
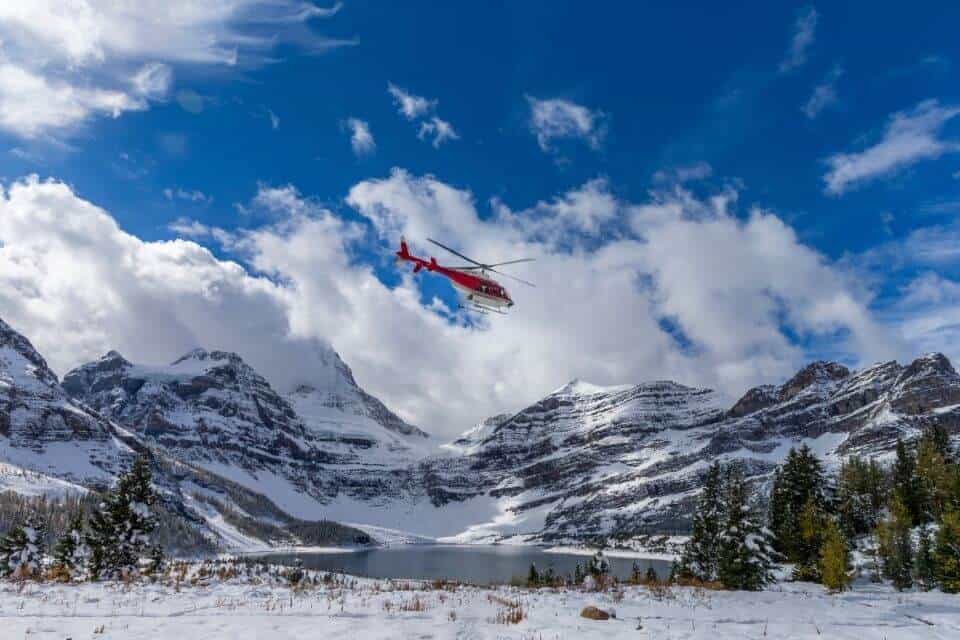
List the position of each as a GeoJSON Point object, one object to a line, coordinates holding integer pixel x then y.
{"type": "Point", "coordinates": [477, 564]}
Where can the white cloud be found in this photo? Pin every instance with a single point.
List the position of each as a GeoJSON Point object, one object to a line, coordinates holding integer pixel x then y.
{"type": "Point", "coordinates": [153, 81]}
{"type": "Point", "coordinates": [737, 290]}
{"type": "Point", "coordinates": [585, 210]}
{"type": "Point", "coordinates": [440, 130]}
{"type": "Point", "coordinates": [274, 119]}
{"type": "Point", "coordinates": [824, 94]}
{"type": "Point", "coordinates": [65, 62]}
{"type": "Point", "coordinates": [556, 119]}
{"type": "Point", "coordinates": [409, 105]}
{"type": "Point", "coordinates": [183, 194]}
{"type": "Point", "coordinates": [804, 31]}
{"type": "Point", "coordinates": [188, 228]}
{"type": "Point", "coordinates": [909, 137]}
{"type": "Point", "coordinates": [31, 105]}
{"type": "Point", "coordinates": [684, 173]}
{"type": "Point", "coordinates": [361, 138]}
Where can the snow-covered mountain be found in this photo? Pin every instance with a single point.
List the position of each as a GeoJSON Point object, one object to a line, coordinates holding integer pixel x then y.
{"type": "Point", "coordinates": [321, 441]}
{"type": "Point", "coordinates": [43, 430]}
{"type": "Point", "coordinates": [588, 460]}
{"type": "Point", "coordinates": [237, 454]}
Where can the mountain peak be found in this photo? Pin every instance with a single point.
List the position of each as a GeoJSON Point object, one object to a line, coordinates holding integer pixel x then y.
{"type": "Point", "coordinates": [578, 387]}
{"type": "Point", "coordinates": [35, 366]}
{"type": "Point", "coordinates": [818, 372]}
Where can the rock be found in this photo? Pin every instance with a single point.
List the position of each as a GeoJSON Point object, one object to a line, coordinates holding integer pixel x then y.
{"type": "Point", "coordinates": [594, 613]}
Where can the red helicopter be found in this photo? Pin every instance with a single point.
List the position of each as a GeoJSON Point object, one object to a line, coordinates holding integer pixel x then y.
{"type": "Point", "coordinates": [481, 292]}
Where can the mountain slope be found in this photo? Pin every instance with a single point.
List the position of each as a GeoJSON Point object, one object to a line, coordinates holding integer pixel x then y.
{"type": "Point", "coordinates": [590, 461]}
{"type": "Point", "coordinates": [322, 441]}
{"type": "Point", "coordinates": [42, 429]}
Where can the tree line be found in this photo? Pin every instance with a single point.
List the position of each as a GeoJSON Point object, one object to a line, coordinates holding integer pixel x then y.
{"type": "Point", "coordinates": [905, 515]}
{"type": "Point", "coordinates": [110, 543]}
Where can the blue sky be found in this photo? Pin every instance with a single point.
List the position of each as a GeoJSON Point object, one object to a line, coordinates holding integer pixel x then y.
{"type": "Point", "coordinates": [836, 120]}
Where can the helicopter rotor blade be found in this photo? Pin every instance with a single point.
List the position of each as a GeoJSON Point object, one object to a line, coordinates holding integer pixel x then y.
{"type": "Point", "coordinates": [456, 253]}
{"type": "Point", "coordinates": [500, 264]}
{"type": "Point", "coordinates": [507, 275]}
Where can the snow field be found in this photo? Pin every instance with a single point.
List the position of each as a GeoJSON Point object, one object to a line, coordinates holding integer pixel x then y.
{"type": "Point", "coordinates": [266, 607]}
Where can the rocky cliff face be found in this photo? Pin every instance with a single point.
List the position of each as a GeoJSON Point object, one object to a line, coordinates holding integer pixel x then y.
{"type": "Point", "coordinates": [42, 428]}
{"type": "Point", "coordinates": [584, 461]}
{"type": "Point", "coordinates": [591, 461]}
{"type": "Point", "coordinates": [213, 410]}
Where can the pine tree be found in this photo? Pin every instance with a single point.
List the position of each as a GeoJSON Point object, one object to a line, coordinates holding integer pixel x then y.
{"type": "Point", "coordinates": [800, 480]}
{"type": "Point", "coordinates": [101, 540]}
{"type": "Point", "coordinates": [22, 549]}
{"type": "Point", "coordinates": [924, 565]}
{"type": "Point", "coordinates": [70, 551]}
{"type": "Point", "coordinates": [905, 482]}
{"type": "Point", "coordinates": [894, 545]}
{"type": "Point", "coordinates": [861, 496]}
{"type": "Point", "coordinates": [809, 542]}
{"type": "Point", "coordinates": [699, 558]}
{"type": "Point", "coordinates": [745, 556]}
{"type": "Point", "coordinates": [578, 574]}
{"type": "Point", "coordinates": [834, 558]}
{"type": "Point", "coordinates": [533, 577]}
{"type": "Point", "coordinates": [133, 520]}
{"type": "Point", "coordinates": [932, 480]}
{"type": "Point", "coordinates": [157, 560]}
{"type": "Point", "coordinates": [947, 554]}
{"type": "Point", "coordinates": [651, 577]}
{"type": "Point", "coordinates": [119, 529]}
{"type": "Point", "coordinates": [599, 565]}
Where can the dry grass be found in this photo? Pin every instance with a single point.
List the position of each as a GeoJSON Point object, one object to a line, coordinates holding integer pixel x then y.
{"type": "Point", "coordinates": [416, 604]}
{"type": "Point", "coordinates": [510, 611]}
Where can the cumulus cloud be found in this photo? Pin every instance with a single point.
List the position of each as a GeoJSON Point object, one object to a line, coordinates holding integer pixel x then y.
{"type": "Point", "coordinates": [410, 106]}
{"type": "Point", "coordinates": [738, 291]}
{"type": "Point", "coordinates": [804, 32]}
{"type": "Point", "coordinates": [64, 63]}
{"type": "Point", "coordinates": [556, 119]}
{"type": "Point", "coordinates": [824, 94]}
{"type": "Point", "coordinates": [361, 138]}
{"type": "Point", "coordinates": [909, 137]}
{"type": "Point", "coordinates": [440, 130]}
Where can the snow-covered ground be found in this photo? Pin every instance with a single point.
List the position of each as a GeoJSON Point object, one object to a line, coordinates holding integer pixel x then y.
{"type": "Point", "coordinates": [357, 608]}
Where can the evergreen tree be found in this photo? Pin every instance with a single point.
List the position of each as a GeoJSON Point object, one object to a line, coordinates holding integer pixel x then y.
{"type": "Point", "coordinates": [933, 480]}
{"type": "Point", "coordinates": [120, 527]}
{"type": "Point", "coordinates": [651, 577]}
{"type": "Point", "coordinates": [157, 560]}
{"type": "Point", "coordinates": [834, 558]}
{"type": "Point", "coordinates": [861, 496]}
{"type": "Point", "coordinates": [800, 480]}
{"type": "Point", "coordinates": [905, 482]}
{"type": "Point", "coordinates": [699, 558]}
{"type": "Point", "coordinates": [101, 540]}
{"type": "Point", "coordinates": [809, 542]}
{"type": "Point", "coordinates": [578, 574]}
{"type": "Point", "coordinates": [947, 554]}
{"type": "Point", "coordinates": [894, 545]}
{"type": "Point", "coordinates": [22, 549]}
{"type": "Point", "coordinates": [599, 565]}
{"type": "Point", "coordinates": [70, 551]}
{"type": "Point", "coordinates": [745, 555]}
{"type": "Point", "coordinates": [533, 576]}
{"type": "Point", "coordinates": [940, 439]}
{"type": "Point", "coordinates": [132, 516]}
{"type": "Point", "coordinates": [924, 564]}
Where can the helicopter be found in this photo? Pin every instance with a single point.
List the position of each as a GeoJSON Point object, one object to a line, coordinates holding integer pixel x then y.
{"type": "Point", "coordinates": [481, 293]}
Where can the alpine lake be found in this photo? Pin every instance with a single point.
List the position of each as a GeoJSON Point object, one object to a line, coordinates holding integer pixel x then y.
{"type": "Point", "coordinates": [473, 564]}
